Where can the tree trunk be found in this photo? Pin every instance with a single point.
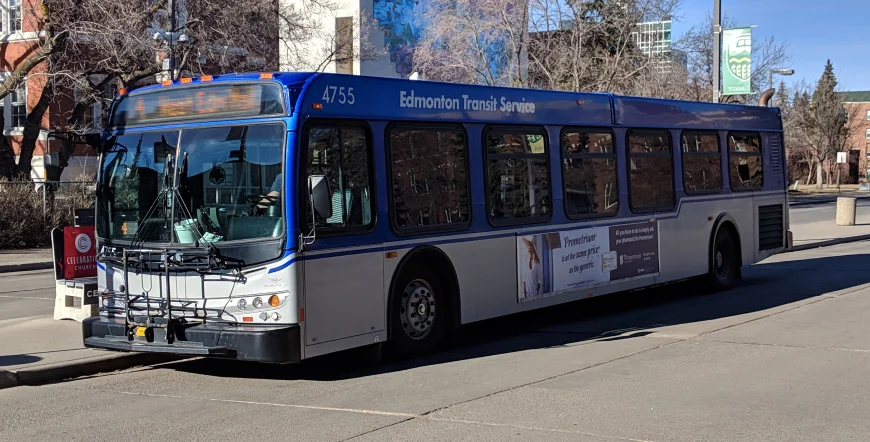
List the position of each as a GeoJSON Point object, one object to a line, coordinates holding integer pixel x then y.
{"type": "Point", "coordinates": [820, 174]}
{"type": "Point", "coordinates": [7, 155]}
{"type": "Point", "coordinates": [810, 172]}
{"type": "Point", "coordinates": [32, 128]}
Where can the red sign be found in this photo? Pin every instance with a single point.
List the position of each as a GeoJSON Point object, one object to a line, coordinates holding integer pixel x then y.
{"type": "Point", "coordinates": [79, 252]}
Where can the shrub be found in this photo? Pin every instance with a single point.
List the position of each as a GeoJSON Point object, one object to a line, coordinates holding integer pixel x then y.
{"type": "Point", "coordinates": [26, 220]}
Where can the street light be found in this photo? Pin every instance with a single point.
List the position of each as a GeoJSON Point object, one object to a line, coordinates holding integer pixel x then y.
{"type": "Point", "coordinates": [780, 72]}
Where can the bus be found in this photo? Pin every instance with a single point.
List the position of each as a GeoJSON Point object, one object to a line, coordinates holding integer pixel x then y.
{"type": "Point", "coordinates": [276, 217]}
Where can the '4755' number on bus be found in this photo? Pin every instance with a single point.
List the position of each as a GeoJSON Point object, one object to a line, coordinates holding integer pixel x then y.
{"type": "Point", "coordinates": [341, 95]}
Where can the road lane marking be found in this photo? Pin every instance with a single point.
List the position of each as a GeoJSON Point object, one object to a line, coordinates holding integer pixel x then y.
{"type": "Point", "coordinates": [25, 297]}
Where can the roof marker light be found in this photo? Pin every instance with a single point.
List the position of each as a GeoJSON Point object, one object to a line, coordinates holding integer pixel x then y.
{"type": "Point", "coordinates": [317, 106]}
{"type": "Point", "coordinates": [206, 78]}
{"type": "Point", "coordinates": [265, 75]}
{"type": "Point", "coordinates": [122, 91]}
{"type": "Point", "coordinates": [166, 82]}
{"type": "Point", "coordinates": [185, 80]}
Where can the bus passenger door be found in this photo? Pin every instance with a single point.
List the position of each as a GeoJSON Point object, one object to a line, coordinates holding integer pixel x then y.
{"type": "Point", "coordinates": [343, 266]}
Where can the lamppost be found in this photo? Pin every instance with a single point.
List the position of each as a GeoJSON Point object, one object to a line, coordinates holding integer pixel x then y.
{"type": "Point", "coordinates": [717, 50]}
{"type": "Point", "coordinates": [779, 72]}
{"type": "Point", "coordinates": [173, 36]}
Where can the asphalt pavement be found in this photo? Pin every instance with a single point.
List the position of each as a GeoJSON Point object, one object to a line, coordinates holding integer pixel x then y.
{"type": "Point", "coordinates": [782, 356]}
{"type": "Point", "coordinates": [24, 294]}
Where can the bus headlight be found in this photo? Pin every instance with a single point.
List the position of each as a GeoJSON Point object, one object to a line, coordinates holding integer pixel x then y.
{"type": "Point", "coordinates": [258, 303]}
{"type": "Point", "coordinates": [243, 304]}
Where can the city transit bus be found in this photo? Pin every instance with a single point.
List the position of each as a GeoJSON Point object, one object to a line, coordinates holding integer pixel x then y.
{"type": "Point", "coordinates": [277, 217]}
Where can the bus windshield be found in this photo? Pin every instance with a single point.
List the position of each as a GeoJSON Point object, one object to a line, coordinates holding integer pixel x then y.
{"type": "Point", "coordinates": [230, 182]}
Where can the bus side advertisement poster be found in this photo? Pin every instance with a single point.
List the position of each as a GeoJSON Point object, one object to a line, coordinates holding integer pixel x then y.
{"type": "Point", "coordinates": [80, 254]}
{"type": "Point", "coordinates": [556, 262]}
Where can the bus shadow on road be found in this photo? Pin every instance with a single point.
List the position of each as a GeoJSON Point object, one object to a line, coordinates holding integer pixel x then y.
{"type": "Point", "coordinates": [608, 318]}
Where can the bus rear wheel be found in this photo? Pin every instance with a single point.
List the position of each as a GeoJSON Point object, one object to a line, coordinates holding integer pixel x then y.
{"type": "Point", "coordinates": [419, 314]}
{"type": "Point", "coordinates": [725, 263]}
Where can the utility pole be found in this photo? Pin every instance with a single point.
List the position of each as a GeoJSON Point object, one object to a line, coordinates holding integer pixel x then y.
{"type": "Point", "coordinates": [172, 26]}
{"type": "Point", "coordinates": [717, 47]}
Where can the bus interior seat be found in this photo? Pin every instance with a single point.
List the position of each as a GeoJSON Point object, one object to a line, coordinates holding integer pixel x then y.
{"type": "Point", "coordinates": [357, 204]}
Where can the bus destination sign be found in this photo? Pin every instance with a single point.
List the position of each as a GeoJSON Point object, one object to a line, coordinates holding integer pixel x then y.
{"type": "Point", "coordinates": [211, 101]}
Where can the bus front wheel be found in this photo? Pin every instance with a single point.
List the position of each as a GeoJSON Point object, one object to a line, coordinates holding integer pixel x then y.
{"type": "Point", "coordinates": [725, 263]}
{"type": "Point", "coordinates": [419, 314]}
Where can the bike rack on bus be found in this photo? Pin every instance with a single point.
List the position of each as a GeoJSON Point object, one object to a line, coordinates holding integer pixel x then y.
{"type": "Point", "coordinates": [171, 261]}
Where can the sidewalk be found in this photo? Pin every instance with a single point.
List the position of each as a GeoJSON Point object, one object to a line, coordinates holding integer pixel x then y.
{"type": "Point", "coordinates": [25, 259]}
{"type": "Point", "coordinates": [827, 189]}
{"type": "Point", "coordinates": [39, 349]}
{"type": "Point", "coordinates": [826, 233]}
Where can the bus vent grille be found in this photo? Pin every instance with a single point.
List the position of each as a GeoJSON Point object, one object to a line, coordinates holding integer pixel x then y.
{"type": "Point", "coordinates": [770, 227]}
{"type": "Point", "coordinates": [775, 153]}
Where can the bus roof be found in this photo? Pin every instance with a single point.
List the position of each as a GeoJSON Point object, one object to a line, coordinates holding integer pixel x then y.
{"type": "Point", "coordinates": [354, 96]}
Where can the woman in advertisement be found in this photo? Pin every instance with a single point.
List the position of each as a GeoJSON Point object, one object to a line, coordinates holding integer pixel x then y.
{"type": "Point", "coordinates": [532, 271]}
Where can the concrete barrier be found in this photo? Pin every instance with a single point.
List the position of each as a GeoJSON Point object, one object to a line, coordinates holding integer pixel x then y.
{"type": "Point", "coordinates": [75, 299]}
{"type": "Point", "coordinates": [846, 211]}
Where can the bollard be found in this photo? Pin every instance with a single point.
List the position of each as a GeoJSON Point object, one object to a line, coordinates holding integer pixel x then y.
{"type": "Point", "coordinates": [846, 211]}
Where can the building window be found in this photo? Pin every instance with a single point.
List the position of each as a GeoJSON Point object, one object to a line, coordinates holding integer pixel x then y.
{"type": "Point", "coordinates": [344, 45]}
{"type": "Point", "coordinates": [868, 115]}
{"type": "Point", "coordinates": [744, 156]}
{"type": "Point", "coordinates": [589, 173]}
{"type": "Point", "coordinates": [14, 107]}
{"type": "Point", "coordinates": [430, 177]}
{"type": "Point", "coordinates": [651, 171]}
{"type": "Point", "coordinates": [518, 175]}
{"type": "Point", "coordinates": [867, 134]}
{"type": "Point", "coordinates": [702, 162]}
{"type": "Point", "coordinates": [11, 21]}
{"type": "Point", "coordinates": [341, 153]}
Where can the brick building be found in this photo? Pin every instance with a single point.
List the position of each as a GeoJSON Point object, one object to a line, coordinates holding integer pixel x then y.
{"type": "Point", "coordinates": [19, 38]}
{"type": "Point", "coordinates": [858, 109]}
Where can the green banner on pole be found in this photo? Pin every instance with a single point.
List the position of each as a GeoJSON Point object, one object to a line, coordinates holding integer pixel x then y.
{"type": "Point", "coordinates": [736, 61]}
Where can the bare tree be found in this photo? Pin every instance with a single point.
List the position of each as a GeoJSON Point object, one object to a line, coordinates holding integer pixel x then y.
{"type": "Point", "coordinates": [821, 119]}
{"type": "Point", "coordinates": [697, 43]}
{"type": "Point", "coordinates": [317, 34]}
{"type": "Point", "coordinates": [572, 46]}
{"type": "Point", "coordinates": [475, 41]}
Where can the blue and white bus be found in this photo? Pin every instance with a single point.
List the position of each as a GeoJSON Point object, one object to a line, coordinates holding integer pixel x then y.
{"type": "Point", "coordinates": [277, 217]}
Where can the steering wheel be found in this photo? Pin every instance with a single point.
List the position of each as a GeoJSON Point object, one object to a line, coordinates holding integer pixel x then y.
{"type": "Point", "coordinates": [257, 200]}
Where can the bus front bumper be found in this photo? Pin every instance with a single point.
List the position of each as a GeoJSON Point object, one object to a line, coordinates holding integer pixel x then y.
{"type": "Point", "coordinates": [269, 344]}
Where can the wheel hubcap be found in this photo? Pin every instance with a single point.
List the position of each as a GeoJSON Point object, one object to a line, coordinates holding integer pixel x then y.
{"type": "Point", "coordinates": [719, 259]}
{"type": "Point", "coordinates": [418, 309]}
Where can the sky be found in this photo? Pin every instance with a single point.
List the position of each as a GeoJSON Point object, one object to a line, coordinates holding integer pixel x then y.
{"type": "Point", "coordinates": [812, 30]}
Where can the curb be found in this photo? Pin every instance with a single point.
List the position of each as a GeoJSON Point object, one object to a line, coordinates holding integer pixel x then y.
{"type": "Point", "coordinates": [830, 242]}
{"type": "Point", "coordinates": [74, 369]}
{"type": "Point", "coordinates": [9, 268]}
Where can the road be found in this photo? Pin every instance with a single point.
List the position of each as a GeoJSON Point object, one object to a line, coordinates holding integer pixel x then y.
{"type": "Point", "coordinates": [25, 294]}
{"type": "Point", "coordinates": [783, 356]}
{"type": "Point", "coordinates": [814, 208]}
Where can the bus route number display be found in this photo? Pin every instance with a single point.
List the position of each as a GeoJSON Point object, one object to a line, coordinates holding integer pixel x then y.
{"type": "Point", "coordinates": [338, 94]}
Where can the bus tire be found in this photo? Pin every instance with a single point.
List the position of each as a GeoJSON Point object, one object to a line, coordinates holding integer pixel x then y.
{"type": "Point", "coordinates": [419, 314]}
{"type": "Point", "coordinates": [725, 262]}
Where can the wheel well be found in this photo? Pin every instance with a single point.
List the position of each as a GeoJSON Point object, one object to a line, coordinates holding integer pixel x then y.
{"type": "Point", "coordinates": [434, 259]}
{"type": "Point", "coordinates": [725, 222]}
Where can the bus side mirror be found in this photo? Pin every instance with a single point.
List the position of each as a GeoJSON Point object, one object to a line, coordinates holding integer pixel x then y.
{"type": "Point", "coordinates": [321, 198]}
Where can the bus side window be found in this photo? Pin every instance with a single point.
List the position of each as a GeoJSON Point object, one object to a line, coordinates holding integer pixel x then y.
{"type": "Point", "coordinates": [341, 154]}
{"type": "Point", "coordinates": [744, 156]}
{"type": "Point", "coordinates": [518, 174]}
{"type": "Point", "coordinates": [589, 173]}
{"type": "Point", "coordinates": [651, 171]}
{"type": "Point", "coordinates": [429, 176]}
{"type": "Point", "coordinates": [702, 162]}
